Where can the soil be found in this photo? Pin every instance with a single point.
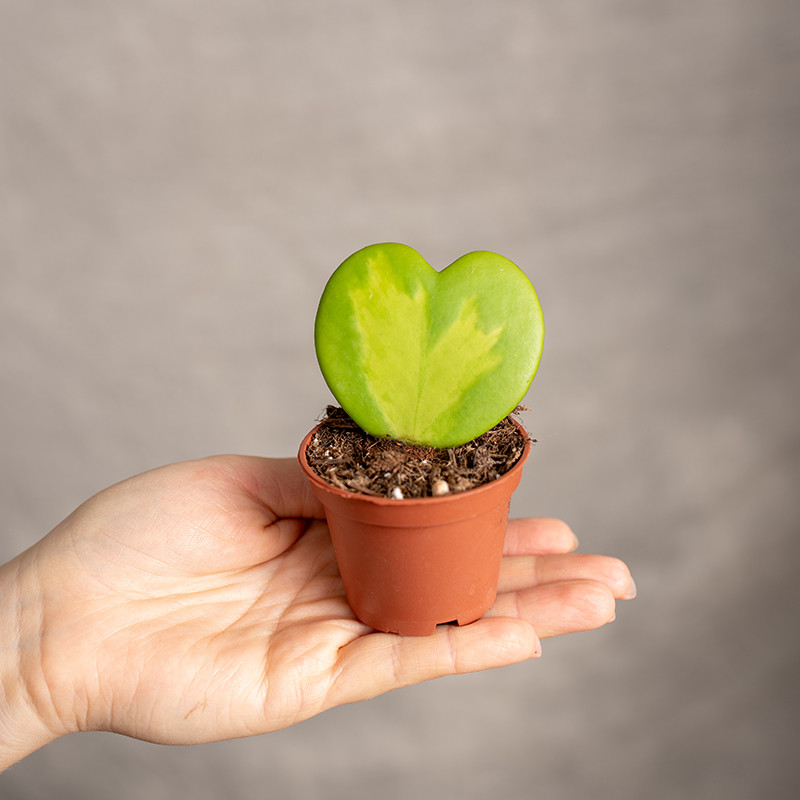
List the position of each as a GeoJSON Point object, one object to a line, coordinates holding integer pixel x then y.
{"type": "Point", "coordinates": [346, 456]}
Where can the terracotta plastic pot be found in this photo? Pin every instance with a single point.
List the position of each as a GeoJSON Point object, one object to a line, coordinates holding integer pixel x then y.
{"type": "Point", "coordinates": [408, 565]}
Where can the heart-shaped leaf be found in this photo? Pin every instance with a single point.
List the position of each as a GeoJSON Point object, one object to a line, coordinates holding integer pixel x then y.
{"type": "Point", "coordinates": [435, 358]}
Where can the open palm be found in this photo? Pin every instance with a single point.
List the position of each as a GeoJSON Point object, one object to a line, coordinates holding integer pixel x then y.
{"type": "Point", "coordinates": [202, 601]}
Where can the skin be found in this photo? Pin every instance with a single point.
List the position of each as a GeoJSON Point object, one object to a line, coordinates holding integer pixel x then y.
{"type": "Point", "coordinates": [201, 601]}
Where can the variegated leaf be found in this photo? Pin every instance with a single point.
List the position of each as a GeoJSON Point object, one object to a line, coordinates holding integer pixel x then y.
{"type": "Point", "coordinates": [434, 358]}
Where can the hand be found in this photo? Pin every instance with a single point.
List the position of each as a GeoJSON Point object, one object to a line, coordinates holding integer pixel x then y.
{"type": "Point", "coordinates": [201, 601]}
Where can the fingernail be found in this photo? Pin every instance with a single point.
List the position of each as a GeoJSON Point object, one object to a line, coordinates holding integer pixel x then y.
{"type": "Point", "coordinates": [631, 593]}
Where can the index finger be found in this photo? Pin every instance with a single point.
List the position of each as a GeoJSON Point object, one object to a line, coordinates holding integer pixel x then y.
{"type": "Point", "coordinates": [533, 536]}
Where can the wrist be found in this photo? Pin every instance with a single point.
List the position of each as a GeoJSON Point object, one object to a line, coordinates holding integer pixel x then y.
{"type": "Point", "coordinates": [23, 725]}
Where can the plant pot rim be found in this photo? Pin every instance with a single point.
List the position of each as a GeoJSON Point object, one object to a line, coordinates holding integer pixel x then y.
{"type": "Point", "coordinates": [409, 502]}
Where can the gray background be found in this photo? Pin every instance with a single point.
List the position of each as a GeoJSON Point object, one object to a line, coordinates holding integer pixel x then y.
{"type": "Point", "coordinates": [178, 180]}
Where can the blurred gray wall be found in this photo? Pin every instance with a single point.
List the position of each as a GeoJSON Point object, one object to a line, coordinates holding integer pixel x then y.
{"type": "Point", "coordinates": [177, 181]}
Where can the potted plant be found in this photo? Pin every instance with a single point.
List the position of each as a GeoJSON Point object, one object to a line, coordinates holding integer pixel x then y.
{"type": "Point", "coordinates": [427, 367]}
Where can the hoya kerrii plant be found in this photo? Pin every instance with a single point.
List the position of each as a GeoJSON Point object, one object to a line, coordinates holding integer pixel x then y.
{"type": "Point", "coordinates": [433, 358]}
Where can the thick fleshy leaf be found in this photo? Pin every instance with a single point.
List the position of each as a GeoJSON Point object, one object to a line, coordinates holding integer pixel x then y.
{"type": "Point", "coordinates": [435, 358]}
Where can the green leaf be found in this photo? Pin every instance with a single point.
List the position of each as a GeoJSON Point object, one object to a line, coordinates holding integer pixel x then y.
{"type": "Point", "coordinates": [430, 357]}
{"type": "Point", "coordinates": [460, 357]}
{"type": "Point", "coordinates": [391, 364]}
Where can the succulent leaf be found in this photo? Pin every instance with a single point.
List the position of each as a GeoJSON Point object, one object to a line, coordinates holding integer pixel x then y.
{"type": "Point", "coordinates": [435, 358]}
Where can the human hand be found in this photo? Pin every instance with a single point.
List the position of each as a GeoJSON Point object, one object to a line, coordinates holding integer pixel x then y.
{"type": "Point", "coordinates": [201, 601]}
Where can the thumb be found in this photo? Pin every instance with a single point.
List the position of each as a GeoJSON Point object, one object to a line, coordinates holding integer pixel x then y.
{"type": "Point", "coordinates": [281, 487]}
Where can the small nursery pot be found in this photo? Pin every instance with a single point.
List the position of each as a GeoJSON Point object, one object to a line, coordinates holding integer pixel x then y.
{"type": "Point", "coordinates": [408, 565]}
